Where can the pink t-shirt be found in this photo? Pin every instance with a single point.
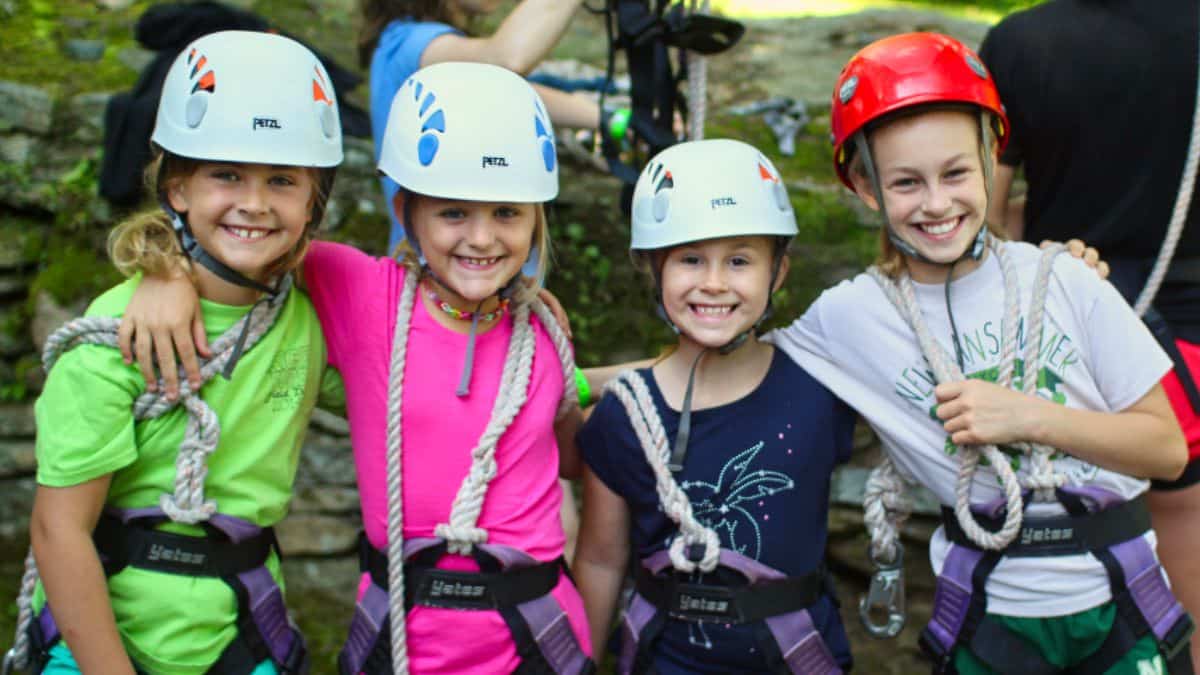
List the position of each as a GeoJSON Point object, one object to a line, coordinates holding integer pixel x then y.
{"type": "Point", "coordinates": [356, 297]}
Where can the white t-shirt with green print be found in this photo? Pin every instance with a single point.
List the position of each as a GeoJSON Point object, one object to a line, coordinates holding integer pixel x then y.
{"type": "Point", "coordinates": [1096, 355]}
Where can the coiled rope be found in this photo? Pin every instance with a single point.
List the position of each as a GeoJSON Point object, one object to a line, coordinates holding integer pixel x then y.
{"type": "Point", "coordinates": [885, 504]}
{"type": "Point", "coordinates": [461, 532]}
{"type": "Point", "coordinates": [187, 504]}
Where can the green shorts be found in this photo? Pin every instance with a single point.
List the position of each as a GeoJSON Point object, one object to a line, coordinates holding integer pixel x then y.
{"type": "Point", "coordinates": [1064, 641]}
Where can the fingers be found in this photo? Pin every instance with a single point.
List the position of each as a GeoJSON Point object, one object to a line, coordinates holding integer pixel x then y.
{"type": "Point", "coordinates": [125, 340]}
{"type": "Point", "coordinates": [1091, 256]}
{"type": "Point", "coordinates": [145, 359]}
{"type": "Point", "coordinates": [187, 356]}
{"type": "Point", "coordinates": [200, 337]}
{"type": "Point", "coordinates": [165, 352]}
{"type": "Point", "coordinates": [948, 390]}
{"type": "Point", "coordinates": [1102, 270]}
{"type": "Point", "coordinates": [1075, 247]}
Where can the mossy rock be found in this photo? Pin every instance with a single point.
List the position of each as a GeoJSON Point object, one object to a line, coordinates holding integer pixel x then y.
{"type": "Point", "coordinates": [72, 273]}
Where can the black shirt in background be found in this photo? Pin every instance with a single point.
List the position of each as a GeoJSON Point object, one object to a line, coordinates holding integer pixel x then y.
{"type": "Point", "coordinates": [1100, 96]}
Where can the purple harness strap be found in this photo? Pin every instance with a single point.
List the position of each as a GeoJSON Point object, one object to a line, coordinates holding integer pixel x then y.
{"type": "Point", "coordinates": [547, 620]}
{"type": "Point", "coordinates": [803, 649]}
{"type": "Point", "coordinates": [1144, 578]}
{"type": "Point", "coordinates": [264, 599]}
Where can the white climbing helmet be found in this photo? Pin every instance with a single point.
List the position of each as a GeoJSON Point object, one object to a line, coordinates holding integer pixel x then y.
{"type": "Point", "coordinates": [470, 131]}
{"type": "Point", "coordinates": [708, 189]}
{"type": "Point", "coordinates": [245, 96]}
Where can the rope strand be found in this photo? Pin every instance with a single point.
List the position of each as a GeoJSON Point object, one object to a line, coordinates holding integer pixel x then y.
{"type": "Point", "coordinates": [203, 430]}
{"type": "Point", "coordinates": [883, 504]}
{"type": "Point", "coordinates": [461, 531]}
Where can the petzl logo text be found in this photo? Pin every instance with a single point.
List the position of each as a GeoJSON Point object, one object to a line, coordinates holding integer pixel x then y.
{"type": "Point", "coordinates": [266, 123]}
{"type": "Point", "coordinates": [723, 201]}
{"type": "Point", "coordinates": [494, 161]}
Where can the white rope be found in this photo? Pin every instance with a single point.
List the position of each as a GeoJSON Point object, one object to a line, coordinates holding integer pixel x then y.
{"type": "Point", "coordinates": [1042, 478]}
{"type": "Point", "coordinates": [697, 85]}
{"type": "Point", "coordinates": [461, 532]}
{"type": "Point", "coordinates": [630, 389]}
{"type": "Point", "coordinates": [1183, 202]}
{"type": "Point", "coordinates": [187, 504]}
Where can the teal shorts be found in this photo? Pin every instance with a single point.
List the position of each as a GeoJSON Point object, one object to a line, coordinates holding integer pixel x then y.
{"type": "Point", "coordinates": [62, 663]}
{"type": "Point", "coordinates": [1064, 641]}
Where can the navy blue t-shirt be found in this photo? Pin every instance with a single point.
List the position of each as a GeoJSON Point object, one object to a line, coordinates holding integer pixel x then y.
{"type": "Point", "coordinates": [757, 472]}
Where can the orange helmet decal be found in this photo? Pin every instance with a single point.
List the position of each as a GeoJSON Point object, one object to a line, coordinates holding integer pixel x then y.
{"type": "Point", "coordinates": [319, 85]}
{"type": "Point", "coordinates": [207, 81]}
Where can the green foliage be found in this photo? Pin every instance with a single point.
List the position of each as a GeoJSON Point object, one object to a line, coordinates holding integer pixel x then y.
{"type": "Point", "coordinates": [33, 40]}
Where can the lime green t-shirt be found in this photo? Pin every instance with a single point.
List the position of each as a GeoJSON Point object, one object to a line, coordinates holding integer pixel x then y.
{"type": "Point", "coordinates": [174, 624]}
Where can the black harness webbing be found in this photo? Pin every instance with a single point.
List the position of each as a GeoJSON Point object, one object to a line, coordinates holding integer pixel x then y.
{"type": "Point", "coordinates": [645, 30]}
{"type": "Point", "coordinates": [1061, 535]}
{"type": "Point", "coordinates": [681, 599]}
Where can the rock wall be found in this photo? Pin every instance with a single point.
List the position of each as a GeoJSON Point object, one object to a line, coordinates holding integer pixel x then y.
{"type": "Point", "coordinates": [48, 164]}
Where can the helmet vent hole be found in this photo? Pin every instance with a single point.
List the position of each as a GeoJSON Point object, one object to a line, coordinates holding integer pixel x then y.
{"type": "Point", "coordinates": [197, 105]}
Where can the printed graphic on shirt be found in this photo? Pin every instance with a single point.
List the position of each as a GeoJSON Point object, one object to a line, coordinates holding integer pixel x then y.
{"type": "Point", "coordinates": [725, 506]}
{"type": "Point", "coordinates": [980, 349]}
{"type": "Point", "coordinates": [287, 375]}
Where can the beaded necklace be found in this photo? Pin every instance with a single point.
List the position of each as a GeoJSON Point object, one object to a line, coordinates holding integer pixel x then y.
{"type": "Point", "coordinates": [465, 316]}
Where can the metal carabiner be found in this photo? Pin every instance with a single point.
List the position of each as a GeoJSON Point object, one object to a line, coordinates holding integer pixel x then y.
{"type": "Point", "coordinates": [10, 659]}
{"type": "Point", "coordinates": [886, 591]}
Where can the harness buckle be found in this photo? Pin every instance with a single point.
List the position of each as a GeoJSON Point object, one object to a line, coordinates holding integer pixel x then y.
{"type": "Point", "coordinates": [886, 591]}
{"type": "Point", "coordinates": [10, 660]}
{"type": "Point", "coordinates": [1178, 638]}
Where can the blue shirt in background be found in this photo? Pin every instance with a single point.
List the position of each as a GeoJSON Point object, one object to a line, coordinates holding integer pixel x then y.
{"type": "Point", "coordinates": [397, 56]}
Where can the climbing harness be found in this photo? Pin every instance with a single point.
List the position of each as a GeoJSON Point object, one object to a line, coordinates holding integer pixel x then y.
{"type": "Point", "coordinates": [646, 30]}
{"type": "Point", "coordinates": [666, 588]}
{"type": "Point", "coordinates": [1097, 521]}
{"type": "Point", "coordinates": [233, 550]}
{"type": "Point", "coordinates": [509, 581]}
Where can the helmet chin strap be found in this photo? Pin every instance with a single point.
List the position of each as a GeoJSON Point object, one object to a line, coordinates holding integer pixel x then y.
{"type": "Point", "coordinates": [978, 245]}
{"type": "Point", "coordinates": [196, 252]}
{"type": "Point", "coordinates": [506, 291]}
{"type": "Point", "coordinates": [974, 250]}
{"type": "Point", "coordinates": [679, 448]}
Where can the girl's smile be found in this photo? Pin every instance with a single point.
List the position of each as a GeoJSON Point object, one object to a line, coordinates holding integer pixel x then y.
{"type": "Point", "coordinates": [717, 289]}
{"type": "Point", "coordinates": [933, 187]}
{"type": "Point", "coordinates": [248, 216]}
{"type": "Point", "coordinates": [473, 248]}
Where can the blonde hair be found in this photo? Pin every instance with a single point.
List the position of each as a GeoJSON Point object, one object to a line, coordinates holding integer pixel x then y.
{"type": "Point", "coordinates": [524, 292]}
{"type": "Point", "coordinates": [146, 241]}
{"type": "Point", "coordinates": [889, 259]}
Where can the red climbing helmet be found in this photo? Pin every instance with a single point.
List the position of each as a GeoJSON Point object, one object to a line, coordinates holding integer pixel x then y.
{"type": "Point", "coordinates": [906, 70]}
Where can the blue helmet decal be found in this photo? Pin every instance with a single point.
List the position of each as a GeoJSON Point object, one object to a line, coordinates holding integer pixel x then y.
{"type": "Point", "coordinates": [541, 127]}
{"type": "Point", "coordinates": [433, 120]}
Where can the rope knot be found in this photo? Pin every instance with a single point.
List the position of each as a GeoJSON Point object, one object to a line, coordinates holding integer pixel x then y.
{"type": "Point", "coordinates": [187, 513]}
{"type": "Point", "coordinates": [682, 546]}
{"type": "Point", "coordinates": [459, 539]}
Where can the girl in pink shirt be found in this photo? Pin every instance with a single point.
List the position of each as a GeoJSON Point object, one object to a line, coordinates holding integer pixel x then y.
{"type": "Point", "coordinates": [459, 389]}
